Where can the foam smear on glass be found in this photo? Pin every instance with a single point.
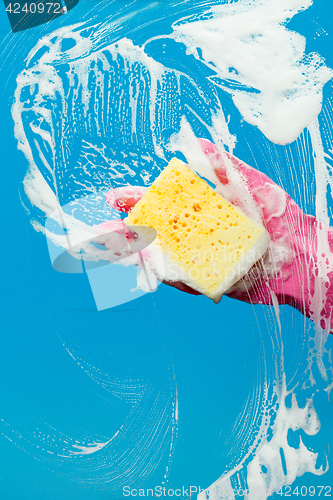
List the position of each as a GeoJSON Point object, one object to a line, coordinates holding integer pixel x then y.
{"type": "Point", "coordinates": [267, 454]}
{"type": "Point", "coordinates": [63, 101]}
{"type": "Point", "coordinates": [281, 93]}
{"type": "Point", "coordinates": [261, 63]}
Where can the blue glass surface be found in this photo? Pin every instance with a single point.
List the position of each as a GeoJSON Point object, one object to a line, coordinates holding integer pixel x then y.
{"type": "Point", "coordinates": [73, 377]}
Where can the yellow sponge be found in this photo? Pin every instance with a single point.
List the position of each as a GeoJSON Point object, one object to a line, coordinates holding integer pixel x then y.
{"type": "Point", "coordinates": [208, 243]}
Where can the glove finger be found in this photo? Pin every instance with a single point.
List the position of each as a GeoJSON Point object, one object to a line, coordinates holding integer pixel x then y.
{"type": "Point", "coordinates": [125, 198]}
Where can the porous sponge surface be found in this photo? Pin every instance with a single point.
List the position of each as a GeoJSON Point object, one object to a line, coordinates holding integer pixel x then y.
{"type": "Point", "coordinates": [201, 231]}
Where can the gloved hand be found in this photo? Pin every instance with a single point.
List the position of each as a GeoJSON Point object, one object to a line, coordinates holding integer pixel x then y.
{"type": "Point", "coordinates": [287, 272]}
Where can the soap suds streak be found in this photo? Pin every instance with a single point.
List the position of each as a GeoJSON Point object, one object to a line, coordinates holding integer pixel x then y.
{"type": "Point", "coordinates": [249, 36]}
{"type": "Point", "coordinates": [131, 146]}
{"type": "Point", "coordinates": [211, 34]}
{"type": "Point", "coordinates": [89, 458]}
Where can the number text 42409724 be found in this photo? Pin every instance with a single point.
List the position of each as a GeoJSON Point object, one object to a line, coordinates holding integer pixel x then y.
{"type": "Point", "coordinates": [305, 491]}
{"type": "Point", "coordinates": [35, 8]}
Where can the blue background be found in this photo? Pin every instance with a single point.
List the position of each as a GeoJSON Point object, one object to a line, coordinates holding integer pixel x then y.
{"type": "Point", "coordinates": [210, 351]}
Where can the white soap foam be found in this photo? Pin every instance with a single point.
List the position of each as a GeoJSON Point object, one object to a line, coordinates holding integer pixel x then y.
{"type": "Point", "coordinates": [279, 90]}
{"type": "Point", "coordinates": [324, 256]}
{"type": "Point", "coordinates": [44, 76]}
{"type": "Point", "coordinates": [89, 448]}
{"type": "Point", "coordinates": [247, 43]}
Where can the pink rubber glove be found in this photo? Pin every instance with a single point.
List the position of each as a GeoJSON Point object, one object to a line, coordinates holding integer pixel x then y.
{"type": "Point", "coordinates": [287, 271]}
